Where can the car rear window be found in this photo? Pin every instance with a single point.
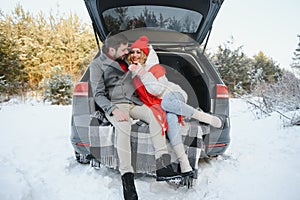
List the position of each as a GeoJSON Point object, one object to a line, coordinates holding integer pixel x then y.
{"type": "Point", "coordinates": [132, 17]}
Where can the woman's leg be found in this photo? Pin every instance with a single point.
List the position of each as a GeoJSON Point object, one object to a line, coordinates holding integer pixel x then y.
{"type": "Point", "coordinates": [174, 102]}
{"type": "Point", "coordinates": [207, 118]}
{"type": "Point", "coordinates": [164, 170]}
{"type": "Point", "coordinates": [175, 138]}
{"type": "Point", "coordinates": [173, 132]}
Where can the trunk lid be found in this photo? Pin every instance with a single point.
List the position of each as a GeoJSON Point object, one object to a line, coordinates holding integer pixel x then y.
{"type": "Point", "coordinates": [192, 18]}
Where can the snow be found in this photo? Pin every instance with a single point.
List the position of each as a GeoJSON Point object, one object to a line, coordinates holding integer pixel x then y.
{"type": "Point", "coordinates": [37, 161]}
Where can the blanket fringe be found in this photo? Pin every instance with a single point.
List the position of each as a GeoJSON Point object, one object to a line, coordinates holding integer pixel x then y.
{"type": "Point", "coordinates": [109, 161]}
{"type": "Point", "coordinates": [145, 168]}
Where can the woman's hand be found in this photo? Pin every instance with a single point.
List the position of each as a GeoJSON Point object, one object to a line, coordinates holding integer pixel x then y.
{"type": "Point", "coordinates": [137, 69]}
{"type": "Point", "coordinates": [133, 67]}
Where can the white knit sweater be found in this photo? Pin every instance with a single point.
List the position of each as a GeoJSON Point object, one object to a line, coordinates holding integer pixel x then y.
{"type": "Point", "coordinates": [161, 86]}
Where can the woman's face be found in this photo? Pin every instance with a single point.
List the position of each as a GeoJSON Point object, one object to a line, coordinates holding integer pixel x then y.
{"type": "Point", "coordinates": [137, 56]}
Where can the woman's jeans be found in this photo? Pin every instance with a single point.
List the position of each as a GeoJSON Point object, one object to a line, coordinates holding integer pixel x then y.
{"type": "Point", "coordinates": [174, 104]}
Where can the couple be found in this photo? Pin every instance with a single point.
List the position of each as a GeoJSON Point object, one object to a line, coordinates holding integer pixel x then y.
{"type": "Point", "coordinates": [124, 92]}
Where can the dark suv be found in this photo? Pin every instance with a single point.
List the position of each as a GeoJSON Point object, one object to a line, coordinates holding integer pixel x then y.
{"type": "Point", "coordinates": [176, 29]}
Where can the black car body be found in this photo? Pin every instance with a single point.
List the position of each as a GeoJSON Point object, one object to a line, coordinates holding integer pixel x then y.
{"type": "Point", "coordinates": [176, 30]}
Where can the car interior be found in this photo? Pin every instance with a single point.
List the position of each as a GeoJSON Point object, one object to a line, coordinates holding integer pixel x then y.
{"type": "Point", "coordinates": [181, 71]}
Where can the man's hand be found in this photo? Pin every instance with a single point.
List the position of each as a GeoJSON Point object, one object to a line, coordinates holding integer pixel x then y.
{"type": "Point", "coordinates": [120, 115]}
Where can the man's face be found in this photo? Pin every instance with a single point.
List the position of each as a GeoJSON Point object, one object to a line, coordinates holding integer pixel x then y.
{"type": "Point", "coordinates": [121, 52]}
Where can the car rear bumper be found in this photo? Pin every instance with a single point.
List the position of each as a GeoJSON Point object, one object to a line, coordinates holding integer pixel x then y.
{"type": "Point", "coordinates": [218, 140]}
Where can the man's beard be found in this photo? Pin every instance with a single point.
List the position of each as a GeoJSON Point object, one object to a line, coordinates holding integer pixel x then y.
{"type": "Point", "coordinates": [120, 58]}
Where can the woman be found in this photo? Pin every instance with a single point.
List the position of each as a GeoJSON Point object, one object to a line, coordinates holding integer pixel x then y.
{"type": "Point", "coordinates": [149, 75]}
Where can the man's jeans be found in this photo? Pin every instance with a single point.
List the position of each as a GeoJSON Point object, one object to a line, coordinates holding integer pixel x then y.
{"type": "Point", "coordinates": [123, 132]}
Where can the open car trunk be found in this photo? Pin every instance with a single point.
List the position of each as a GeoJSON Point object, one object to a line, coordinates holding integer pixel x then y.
{"type": "Point", "coordinates": [175, 29]}
{"type": "Point", "coordinates": [182, 71]}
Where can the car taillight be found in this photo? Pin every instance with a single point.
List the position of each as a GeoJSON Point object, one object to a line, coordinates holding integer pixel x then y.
{"type": "Point", "coordinates": [222, 91]}
{"type": "Point", "coordinates": [81, 89]}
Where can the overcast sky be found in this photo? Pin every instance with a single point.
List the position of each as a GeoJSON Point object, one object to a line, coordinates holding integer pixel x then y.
{"type": "Point", "coordinates": [270, 26]}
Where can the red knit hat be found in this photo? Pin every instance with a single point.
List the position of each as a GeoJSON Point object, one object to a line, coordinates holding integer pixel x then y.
{"type": "Point", "coordinates": [142, 44]}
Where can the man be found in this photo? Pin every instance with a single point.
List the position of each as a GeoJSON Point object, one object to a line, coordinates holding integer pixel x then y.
{"type": "Point", "coordinates": [115, 94]}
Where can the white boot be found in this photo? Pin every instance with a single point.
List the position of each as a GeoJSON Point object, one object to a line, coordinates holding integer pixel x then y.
{"type": "Point", "coordinates": [182, 158]}
{"type": "Point", "coordinates": [207, 118]}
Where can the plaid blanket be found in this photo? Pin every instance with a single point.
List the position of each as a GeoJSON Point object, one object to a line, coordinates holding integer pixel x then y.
{"type": "Point", "coordinates": [102, 145]}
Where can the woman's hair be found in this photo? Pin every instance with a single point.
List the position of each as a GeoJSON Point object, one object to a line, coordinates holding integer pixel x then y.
{"type": "Point", "coordinates": [142, 59]}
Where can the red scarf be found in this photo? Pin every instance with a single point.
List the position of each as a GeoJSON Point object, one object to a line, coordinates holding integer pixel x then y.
{"type": "Point", "coordinates": [152, 102]}
{"type": "Point", "coordinates": [123, 66]}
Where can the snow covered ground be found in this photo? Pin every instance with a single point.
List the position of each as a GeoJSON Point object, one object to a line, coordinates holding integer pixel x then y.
{"type": "Point", "coordinates": [36, 161]}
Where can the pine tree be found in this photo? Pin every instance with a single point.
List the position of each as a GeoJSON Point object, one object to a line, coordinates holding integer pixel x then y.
{"type": "Point", "coordinates": [240, 73]}
{"type": "Point", "coordinates": [13, 76]}
{"type": "Point", "coordinates": [32, 45]}
{"type": "Point", "coordinates": [264, 69]}
{"type": "Point", "coordinates": [296, 58]}
{"type": "Point", "coordinates": [233, 66]}
{"type": "Point", "coordinates": [58, 88]}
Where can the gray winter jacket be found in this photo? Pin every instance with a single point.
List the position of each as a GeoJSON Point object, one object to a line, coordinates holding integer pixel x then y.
{"type": "Point", "coordinates": [110, 84]}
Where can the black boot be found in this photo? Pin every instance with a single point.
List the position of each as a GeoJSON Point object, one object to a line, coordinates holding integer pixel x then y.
{"type": "Point", "coordinates": [164, 170]}
{"type": "Point", "coordinates": [189, 173]}
{"type": "Point", "coordinates": [188, 178]}
{"type": "Point", "coordinates": [128, 187]}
